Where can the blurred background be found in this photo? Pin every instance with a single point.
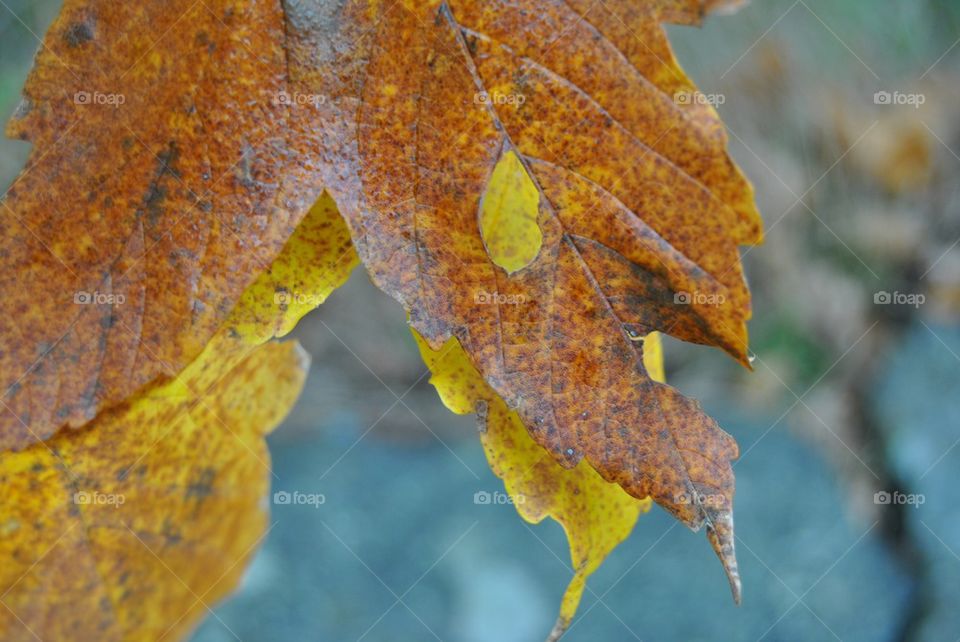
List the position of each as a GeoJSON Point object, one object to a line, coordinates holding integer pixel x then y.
{"type": "Point", "coordinates": [846, 117]}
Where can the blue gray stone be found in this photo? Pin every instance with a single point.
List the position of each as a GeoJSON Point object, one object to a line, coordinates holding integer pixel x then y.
{"type": "Point", "coordinates": [400, 521]}
{"type": "Point", "coordinates": [918, 404]}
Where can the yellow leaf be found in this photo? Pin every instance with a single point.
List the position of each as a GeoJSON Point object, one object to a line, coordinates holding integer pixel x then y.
{"type": "Point", "coordinates": [508, 215]}
{"type": "Point", "coordinates": [127, 528]}
{"type": "Point", "coordinates": [596, 515]}
{"type": "Point", "coordinates": [316, 260]}
{"type": "Point", "coordinates": [653, 357]}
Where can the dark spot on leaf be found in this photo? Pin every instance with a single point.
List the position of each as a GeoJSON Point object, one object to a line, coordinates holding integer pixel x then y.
{"type": "Point", "coordinates": [78, 33]}
{"type": "Point", "coordinates": [202, 487]}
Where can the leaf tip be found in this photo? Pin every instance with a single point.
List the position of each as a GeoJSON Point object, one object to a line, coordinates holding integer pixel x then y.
{"type": "Point", "coordinates": [559, 628]}
{"type": "Point", "coordinates": [720, 535]}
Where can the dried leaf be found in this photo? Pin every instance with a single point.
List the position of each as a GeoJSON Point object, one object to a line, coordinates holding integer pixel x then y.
{"type": "Point", "coordinates": [159, 186]}
{"type": "Point", "coordinates": [596, 515]}
{"type": "Point", "coordinates": [640, 211]}
{"type": "Point", "coordinates": [129, 527]}
{"type": "Point", "coordinates": [234, 123]}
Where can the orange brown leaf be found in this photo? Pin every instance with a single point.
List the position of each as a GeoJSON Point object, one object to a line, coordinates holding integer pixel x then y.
{"type": "Point", "coordinates": [158, 187]}
{"type": "Point", "coordinates": [640, 212]}
{"type": "Point", "coordinates": [595, 514]}
{"type": "Point", "coordinates": [236, 120]}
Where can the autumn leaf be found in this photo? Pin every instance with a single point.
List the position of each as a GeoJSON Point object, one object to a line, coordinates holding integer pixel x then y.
{"type": "Point", "coordinates": [595, 514]}
{"type": "Point", "coordinates": [130, 527]}
{"type": "Point", "coordinates": [638, 207]}
{"type": "Point", "coordinates": [150, 201]}
{"type": "Point", "coordinates": [537, 179]}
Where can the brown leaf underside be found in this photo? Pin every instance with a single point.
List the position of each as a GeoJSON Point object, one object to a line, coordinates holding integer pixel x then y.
{"type": "Point", "coordinates": [180, 196]}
